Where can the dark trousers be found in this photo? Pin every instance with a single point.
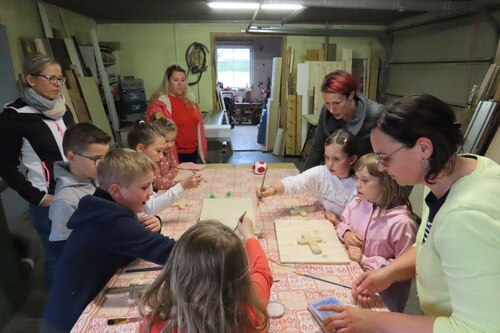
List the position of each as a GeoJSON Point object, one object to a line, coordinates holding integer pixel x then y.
{"type": "Point", "coordinates": [192, 157]}
{"type": "Point", "coordinates": [39, 217]}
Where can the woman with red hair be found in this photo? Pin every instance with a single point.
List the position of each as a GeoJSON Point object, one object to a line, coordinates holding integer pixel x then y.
{"type": "Point", "coordinates": [345, 107]}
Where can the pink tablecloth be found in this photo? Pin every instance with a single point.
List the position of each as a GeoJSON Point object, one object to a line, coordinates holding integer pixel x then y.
{"type": "Point", "coordinates": [293, 291]}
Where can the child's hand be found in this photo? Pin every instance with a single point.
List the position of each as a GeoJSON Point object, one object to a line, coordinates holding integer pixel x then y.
{"type": "Point", "coordinates": [150, 222]}
{"type": "Point", "coordinates": [245, 228]}
{"type": "Point", "coordinates": [192, 181]}
{"type": "Point", "coordinates": [266, 192]}
{"type": "Point", "coordinates": [353, 239]}
{"type": "Point", "coordinates": [332, 217]}
{"type": "Point", "coordinates": [355, 253]}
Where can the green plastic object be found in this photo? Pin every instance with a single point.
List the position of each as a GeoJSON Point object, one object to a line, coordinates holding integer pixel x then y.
{"type": "Point", "coordinates": [212, 196]}
{"type": "Point", "coordinates": [228, 194]}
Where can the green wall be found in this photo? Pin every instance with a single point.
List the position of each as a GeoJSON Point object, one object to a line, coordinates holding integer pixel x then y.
{"type": "Point", "coordinates": [148, 49]}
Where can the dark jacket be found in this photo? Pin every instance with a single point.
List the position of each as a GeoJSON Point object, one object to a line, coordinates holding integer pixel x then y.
{"type": "Point", "coordinates": [105, 237]}
{"type": "Point", "coordinates": [365, 113]}
{"type": "Point", "coordinates": [30, 138]}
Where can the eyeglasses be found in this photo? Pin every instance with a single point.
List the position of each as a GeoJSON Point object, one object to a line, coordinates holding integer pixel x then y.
{"type": "Point", "coordinates": [96, 160]}
{"type": "Point", "coordinates": [53, 79]}
{"type": "Point", "coordinates": [387, 160]}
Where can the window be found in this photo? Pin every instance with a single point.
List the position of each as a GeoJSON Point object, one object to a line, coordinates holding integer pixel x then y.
{"type": "Point", "coordinates": [234, 66]}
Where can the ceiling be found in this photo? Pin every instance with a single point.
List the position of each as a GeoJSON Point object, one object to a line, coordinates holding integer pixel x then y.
{"type": "Point", "coordinates": [351, 12]}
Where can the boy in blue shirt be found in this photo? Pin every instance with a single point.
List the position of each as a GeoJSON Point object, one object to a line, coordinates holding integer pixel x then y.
{"type": "Point", "coordinates": [105, 236]}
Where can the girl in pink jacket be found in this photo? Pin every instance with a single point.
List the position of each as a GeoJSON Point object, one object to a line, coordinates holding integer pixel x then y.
{"type": "Point", "coordinates": [377, 226]}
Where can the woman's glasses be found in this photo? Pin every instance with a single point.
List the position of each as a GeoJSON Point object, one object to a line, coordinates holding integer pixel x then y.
{"type": "Point", "coordinates": [385, 161]}
{"type": "Point", "coordinates": [53, 79]}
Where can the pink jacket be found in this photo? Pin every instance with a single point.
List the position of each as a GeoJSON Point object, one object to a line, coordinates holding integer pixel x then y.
{"type": "Point", "coordinates": [386, 238]}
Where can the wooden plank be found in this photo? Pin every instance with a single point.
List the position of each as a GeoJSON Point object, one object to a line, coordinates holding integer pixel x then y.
{"type": "Point", "coordinates": [69, 102]}
{"type": "Point", "coordinates": [73, 55]}
{"type": "Point", "coordinates": [298, 125]}
{"type": "Point", "coordinates": [81, 111]}
{"type": "Point", "coordinates": [347, 59]}
{"type": "Point", "coordinates": [228, 211]}
{"type": "Point", "coordinates": [272, 122]}
{"type": "Point", "coordinates": [289, 232]}
{"type": "Point", "coordinates": [375, 59]}
{"type": "Point", "coordinates": [302, 92]}
{"type": "Point", "coordinates": [90, 93]}
{"type": "Point", "coordinates": [493, 150]}
{"type": "Point", "coordinates": [331, 51]}
{"type": "Point", "coordinates": [42, 46]}
{"type": "Point", "coordinates": [312, 55]}
{"type": "Point", "coordinates": [291, 127]}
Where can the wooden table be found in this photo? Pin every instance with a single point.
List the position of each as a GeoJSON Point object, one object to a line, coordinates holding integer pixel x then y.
{"type": "Point", "coordinates": [248, 111]}
{"type": "Point", "coordinates": [294, 291]}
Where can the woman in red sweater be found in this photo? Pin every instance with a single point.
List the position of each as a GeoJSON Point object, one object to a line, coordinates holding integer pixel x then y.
{"type": "Point", "coordinates": [210, 284]}
{"type": "Point", "coordinates": [174, 101]}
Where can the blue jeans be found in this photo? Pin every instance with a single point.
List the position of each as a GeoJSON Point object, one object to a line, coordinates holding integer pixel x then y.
{"type": "Point", "coordinates": [39, 217]}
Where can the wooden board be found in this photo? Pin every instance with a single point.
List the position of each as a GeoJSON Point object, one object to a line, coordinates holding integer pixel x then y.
{"type": "Point", "coordinates": [76, 97]}
{"type": "Point", "coordinates": [228, 211]}
{"type": "Point", "coordinates": [291, 129]}
{"type": "Point", "coordinates": [88, 86]}
{"type": "Point", "coordinates": [289, 231]}
{"type": "Point", "coordinates": [69, 102]}
{"type": "Point", "coordinates": [347, 59]}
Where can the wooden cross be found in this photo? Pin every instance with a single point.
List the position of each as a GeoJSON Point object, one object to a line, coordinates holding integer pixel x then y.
{"type": "Point", "coordinates": [312, 241]}
{"type": "Point", "coordinates": [181, 204]}
{"type": "Point", "coordinates": [302, 210]}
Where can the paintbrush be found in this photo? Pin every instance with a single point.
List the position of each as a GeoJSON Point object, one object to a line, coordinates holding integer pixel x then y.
{"type": "Point", "coordinates": [118, 321]}
{"type": "Point", "coordinates": [240, 220]}
{"type": "Point", "coordinates": [144, 269]}
{"type": "Point", "coordinates": [323, 280]}
{"type": "Point", "coordinates": [259, 197]}
{"type": "Point", "coordinates": [203, 179]}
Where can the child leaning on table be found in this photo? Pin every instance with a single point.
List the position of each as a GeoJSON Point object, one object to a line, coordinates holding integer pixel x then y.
{"type": "Point", "coordinates": [148, 139]}
{"type": "Point", "coordinates": [105, 237]}
{"type": "Point", "coordinates": [210, 284]}
{"type": "Point", "coordinates": [377, 226]}
{"type": "Point", "coordinates": [332, 184]}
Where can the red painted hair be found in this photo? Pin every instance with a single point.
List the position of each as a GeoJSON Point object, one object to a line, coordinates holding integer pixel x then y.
{"type": "Point", "coordinates": [340, 82]}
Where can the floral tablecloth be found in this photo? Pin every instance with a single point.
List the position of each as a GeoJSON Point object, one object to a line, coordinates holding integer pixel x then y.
{"type": "Point", "coordinates": [293, 291]}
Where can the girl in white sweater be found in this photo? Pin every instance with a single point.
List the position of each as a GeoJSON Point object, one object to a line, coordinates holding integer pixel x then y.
{"type": "Point", "coordinates": [332, 184]}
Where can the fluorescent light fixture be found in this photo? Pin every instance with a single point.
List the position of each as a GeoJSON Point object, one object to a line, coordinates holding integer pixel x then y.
{"type": "Point", "coordinates": [233, 5]}
{"type": "Point", "coordinates": [282, 6]}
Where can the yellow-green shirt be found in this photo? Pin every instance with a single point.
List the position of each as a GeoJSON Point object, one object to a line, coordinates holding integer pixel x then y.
{"type": "Point", "coordinates": [458, 266]}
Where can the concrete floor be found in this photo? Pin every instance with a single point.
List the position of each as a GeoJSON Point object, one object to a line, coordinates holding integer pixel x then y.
{"type": "Point", "coordinates": [27, 319]}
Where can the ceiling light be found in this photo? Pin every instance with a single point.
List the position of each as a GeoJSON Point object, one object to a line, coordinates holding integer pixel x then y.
{"type": "Point", "coordinates": [282, 6]}
{"type": "Point", "coordinates": [233, 5]}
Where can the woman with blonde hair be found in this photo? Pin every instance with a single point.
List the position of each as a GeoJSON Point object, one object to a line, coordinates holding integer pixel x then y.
{"type": "Point", "coordinates": [31, 133]}
{"type": "Point", "coordinates": [212, 283]}
{"type": "Point", "coordinates": [174, 101]}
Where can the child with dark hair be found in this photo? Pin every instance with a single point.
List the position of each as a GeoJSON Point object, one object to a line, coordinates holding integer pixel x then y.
{"type": "Point", "coordinates": [84, 146]}
{"type": "Point", "coordinates": [332, 184]}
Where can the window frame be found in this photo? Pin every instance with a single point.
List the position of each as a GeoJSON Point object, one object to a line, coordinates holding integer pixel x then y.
{"type": "Point", "coordinates": [237, 45]}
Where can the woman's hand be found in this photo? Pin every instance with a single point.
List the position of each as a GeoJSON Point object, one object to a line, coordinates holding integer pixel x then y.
{"type": "Point", "coordinates": [245, 228]}
{"type": "Point", "coordinates": [47, 200]}
{"type": "Point", "coordinates": [348, 319]}
{"type": "Point", "coordinates": [353, 239]}
{"type": "Point", "coordinates": [369, 283]}
{"type": "Point", "coordinates": [192, 181]}
{"type": "Point", "coordinates": [332, 217]}
{"type": "Point", "coordinates": [355, 254]}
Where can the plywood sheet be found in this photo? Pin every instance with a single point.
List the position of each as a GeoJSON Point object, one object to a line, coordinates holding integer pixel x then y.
{"type": "Point", "coordinates": [228, 211]}
{"type": "Point", "coordinates": [88, 86]}
{"type": "Point", "coordinates": [288, 232]}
